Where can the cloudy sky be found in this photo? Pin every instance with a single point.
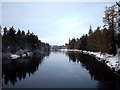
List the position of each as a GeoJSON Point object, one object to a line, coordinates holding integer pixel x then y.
{"type": "Point", "coordinates": [54, 22]}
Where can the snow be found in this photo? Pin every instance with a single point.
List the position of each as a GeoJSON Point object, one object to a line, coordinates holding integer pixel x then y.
{"type": "Point", "coordinates": [110, 60]}
{"type": "Point", "coordinates": [14, 56]}
{"type": "Point", "coordinates": [29, 53]}
{"type": "Point", "coordinates": [114, 62]}
{"type": "Point", "coordinates": [24, 55]}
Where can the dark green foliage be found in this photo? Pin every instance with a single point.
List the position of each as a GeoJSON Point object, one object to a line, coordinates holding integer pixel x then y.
{"type": "Point", "coordinates": [5, 31]}
{"type": "Point", "coordinates": [13, 41]}
{"type": "Point", "coordinates": [83, 42]}
{"type": "Point", "coordinates": [90, 30]}
{"type": "Point", "coordinates": [71, 43]}
{"type": "Point", "coordinates": [77, 44]}
{"type": "Point", "coordinates": [94, 41]}
{"type": "Point", "coordinates": [100, 40]}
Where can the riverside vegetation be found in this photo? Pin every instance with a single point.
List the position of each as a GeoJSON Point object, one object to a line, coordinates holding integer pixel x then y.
{"type": "Point", "coordinates": [105, 40]}
{"type": "Point", "coordinates": [21, 43]}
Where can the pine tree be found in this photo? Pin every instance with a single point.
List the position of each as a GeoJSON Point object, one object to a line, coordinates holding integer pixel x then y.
{"type": "Point", "coordinates": [5, 31]}
{"type": "Point", "coordinates": [90, 30]}
{"type": "Point", "coordinates": [83, 43]}
{"type": "Point", "coordinates": [71, 43]}
{"type": "Point", "coordinates": [77, 44]}
{"type": "Point", "coordinates": [28, 33]}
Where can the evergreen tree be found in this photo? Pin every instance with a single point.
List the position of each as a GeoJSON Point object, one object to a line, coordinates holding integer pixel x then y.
{"type": "Point", "coordinates": [28, 33]}
{"type": "Point", "coordinates": [83, 43]}
{"type": "Point", "coordinates": [71, 43]}
{"type": "Point", "coordinates": [12, 34]}
{"type": "Point", "coordinates": [5, 31]}
{"type": "Point", "coordinates": [23, 33]}
{"type": "Point", "coordinates": [19, 33]}
{"type": "Point", "coordinates": [90, 30]}
{"type": "Point", "coordinates": [77, 44]}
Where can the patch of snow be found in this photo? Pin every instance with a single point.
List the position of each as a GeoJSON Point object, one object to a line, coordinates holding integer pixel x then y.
{"type": "Point", "coordinates": [114, 62]}
{"type": "Point", "coordinates": [29, 53]}
{"type": "Point", "coordinates": [110, 60]}
{"type": "Point", "coordinates": [24, 55]}
{"type": "Point", "coordinates": [63, 49]}
{"type": "Point", "coordinates": [14, 56]}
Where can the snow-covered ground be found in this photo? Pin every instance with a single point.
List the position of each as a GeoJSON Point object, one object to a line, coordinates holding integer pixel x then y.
{"type": "Point", "coordinates": [112, 61]}
{"type": "Point", "coordinates": [15, 56]}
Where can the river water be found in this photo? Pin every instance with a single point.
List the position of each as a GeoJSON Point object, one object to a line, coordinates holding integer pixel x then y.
{"type": "Point", "coordinates": [58, 70]}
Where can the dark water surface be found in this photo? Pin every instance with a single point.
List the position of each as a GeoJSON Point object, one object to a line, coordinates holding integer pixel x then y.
{"type": "Point", "coordinates": [58, 70]}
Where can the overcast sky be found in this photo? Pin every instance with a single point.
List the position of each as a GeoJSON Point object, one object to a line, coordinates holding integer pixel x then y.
{"type": "Point", "coordinates": [54, 23]}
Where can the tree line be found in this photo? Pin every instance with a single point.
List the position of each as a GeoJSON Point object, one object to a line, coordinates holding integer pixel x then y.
{"type": "Point", "coordinates": [105, 40]}
{"type": "Point", "coordinates": [14, 40]}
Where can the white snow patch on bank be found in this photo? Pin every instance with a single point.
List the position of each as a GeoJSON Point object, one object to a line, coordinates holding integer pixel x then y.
{"type": "Point", "coordinates": [114, 62]}
{"type": "Point", "coordinates": [14, 56]}
{"type": "Point", "coordinates": [24, 55]}
{"type": "Point", "coordinates": [110, 60]}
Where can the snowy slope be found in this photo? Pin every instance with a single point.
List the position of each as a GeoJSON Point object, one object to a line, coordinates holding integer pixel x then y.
{"type": "Point", "coordinates": [112, 61]}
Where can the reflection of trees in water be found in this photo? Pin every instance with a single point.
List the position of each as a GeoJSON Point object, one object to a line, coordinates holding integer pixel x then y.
{"type": "Point", "coordinates": [17, 70]}
{"type": "Point", "coordinates": [97, 70]}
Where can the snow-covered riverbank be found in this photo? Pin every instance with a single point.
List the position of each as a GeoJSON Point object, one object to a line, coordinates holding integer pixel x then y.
{"type": "Point", "coordinates": [112, 61]}
{"type": "Point", "coordinates": [18, 54]}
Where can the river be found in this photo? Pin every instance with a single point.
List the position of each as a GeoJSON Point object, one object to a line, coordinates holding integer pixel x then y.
{"type": "Point", "coordinates": [59, 70]}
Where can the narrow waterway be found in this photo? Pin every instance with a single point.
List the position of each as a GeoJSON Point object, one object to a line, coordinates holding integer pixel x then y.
{"type": "Point", "coordinates": [59, 70]}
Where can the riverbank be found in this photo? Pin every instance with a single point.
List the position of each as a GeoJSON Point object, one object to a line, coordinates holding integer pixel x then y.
{"type": "Point", "coordinates": [20, 53]}
{"type": "Point", "coordinates": [111, 61]}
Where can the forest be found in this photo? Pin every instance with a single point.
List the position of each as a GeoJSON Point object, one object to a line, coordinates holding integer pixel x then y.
{"type": "Point", "coordinates": [14, 40]}
{"type": "Point", "coordinates": [105, 40]}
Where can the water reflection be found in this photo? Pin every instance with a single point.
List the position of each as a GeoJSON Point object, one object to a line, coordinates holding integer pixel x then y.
{"type": "Point", "coordinates": [20, 68]}
{"type": "Point", "coordinates": [57, 71]}
{"type": "Point", "coordinates": [97, 70]}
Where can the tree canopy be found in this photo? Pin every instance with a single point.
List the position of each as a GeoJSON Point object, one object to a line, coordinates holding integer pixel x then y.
{"type": "Point", "coordinates": [13, 40]}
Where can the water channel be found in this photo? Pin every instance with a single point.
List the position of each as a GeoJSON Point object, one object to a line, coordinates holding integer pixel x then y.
{"type": "Point", "coordinates": [58, 70]}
